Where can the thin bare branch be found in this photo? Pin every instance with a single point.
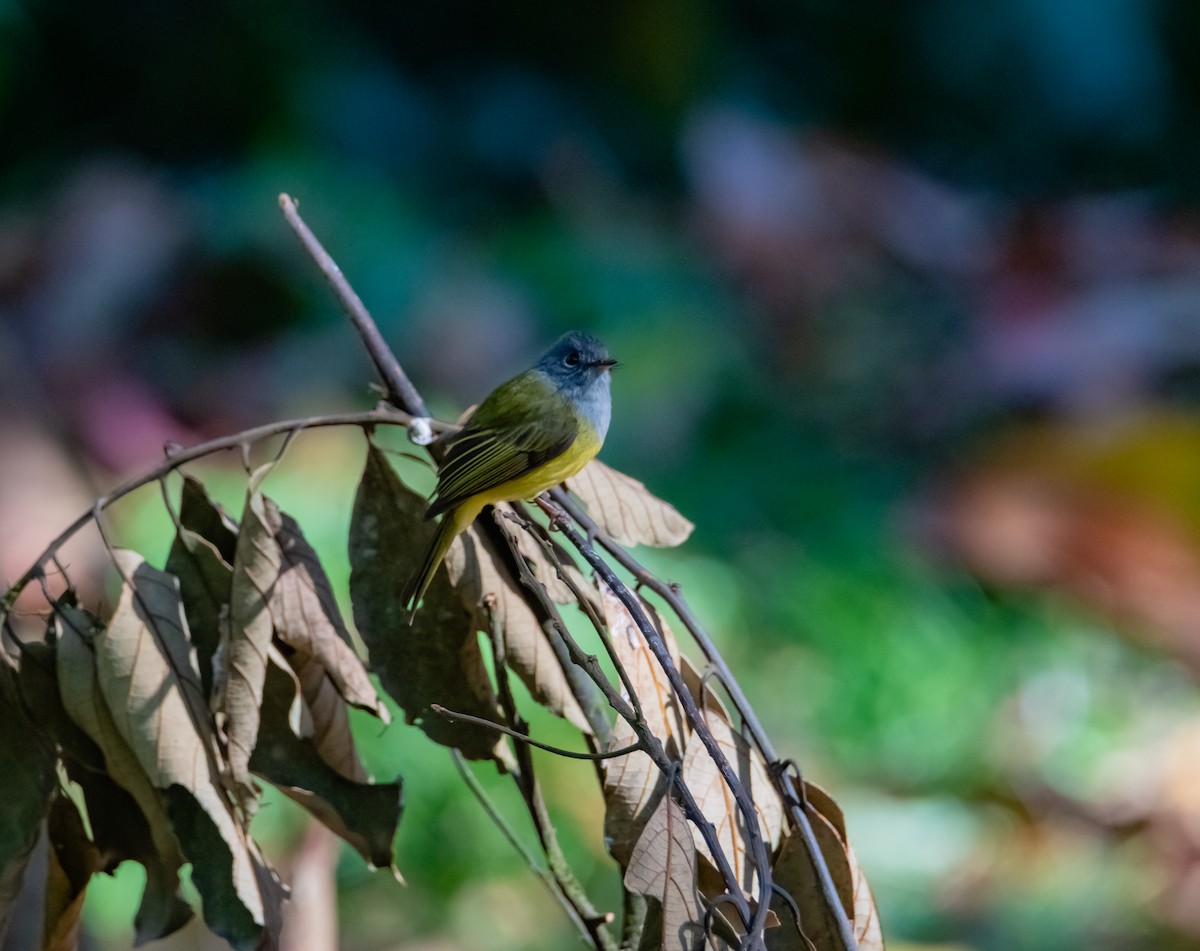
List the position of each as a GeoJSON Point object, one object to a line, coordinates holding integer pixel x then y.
{"type": "Point", "coordinates": [400, 391]}
{"type": "Point", "coordinates": [756, 921]}
{"type": "Point", "coordinates": [514, 840]}
{"type": "Point", "coordinates": [181, 457]}
{"type": "Point", "coordinates": [526, 738]}
{"type": "Point", "coordinates": [674, 599]}
{"type": "Point", "coordinates": [652, 744]}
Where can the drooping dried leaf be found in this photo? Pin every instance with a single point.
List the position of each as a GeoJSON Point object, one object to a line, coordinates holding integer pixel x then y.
{"type": "Point", "coordinates": [867, 930]}
{"type": "Point", "coordinates": [146, 677]}
{"type": "Point", "coordinates": [436, 659]}
{"type": "Point", "coordinates": [626, 510]}
{"type": "Point", "coordinates": [364, 815]}
{"type": "Point", "coordinates": [328, 716]}
{"type": "Point", "coordinates": [201, 557]}
{"type": "Point", "coordinates": [225, 876]}
{"type": "Point", "coordinates": [27, 765]}
{"type": "Point", "coordinates": [200, 514]}
{"type": "Point", "coordinates": [795, 872]}
{"type": "Point", "coordinates": [633, 785]}
{"type": "Point", "coordinates": [716, 800]}
{"type": "Point", "coordinates": [121, 831]}
{"type": "Point", "coordinates": [72, 862]}
{"type": "Point", "coordinates": [727, 924]}
{"type": "Point", "coordinates": [38, 682]}
{"type": "Point", "coordinates": [256, 565]}
{"type": "Point", "coordinates": [308, 620]}
{"type": "Point", "coordinates": [482, 582]}
{"type": "Point", "coordinates": [663, 867]}
{"type": "Point", "coordinates": [819, 799]}
{"type": "Point", "coordinates": [130, 819]}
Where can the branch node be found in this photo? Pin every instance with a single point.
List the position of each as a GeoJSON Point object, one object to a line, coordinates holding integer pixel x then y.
{"type": "Point", "coordinates": [420, 431]}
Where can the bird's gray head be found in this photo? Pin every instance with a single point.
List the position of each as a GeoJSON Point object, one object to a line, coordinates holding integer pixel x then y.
{"type": "Point", "coordinates": [575, 360]}
{"type": "Point", "coordinates": [578, 366]}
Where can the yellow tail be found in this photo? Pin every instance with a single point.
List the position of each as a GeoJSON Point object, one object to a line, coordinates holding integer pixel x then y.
{"type": "Point", "coordinates": [448, 529]}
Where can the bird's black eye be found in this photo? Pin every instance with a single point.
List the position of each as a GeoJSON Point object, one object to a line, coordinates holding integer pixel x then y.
{"type": "Point", "coordinates": [572, 359]}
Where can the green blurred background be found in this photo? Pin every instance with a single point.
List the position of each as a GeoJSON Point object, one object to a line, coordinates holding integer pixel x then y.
{"type": "Point", "coordinates": [907, 301]}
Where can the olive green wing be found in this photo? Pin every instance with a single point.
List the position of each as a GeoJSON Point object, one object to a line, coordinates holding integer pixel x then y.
{"type": "Point", "coordinates": [486, 453]}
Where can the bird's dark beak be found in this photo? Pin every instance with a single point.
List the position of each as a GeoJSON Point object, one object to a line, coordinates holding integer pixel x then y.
{"type": "Point", "coordinates": [608, 363]}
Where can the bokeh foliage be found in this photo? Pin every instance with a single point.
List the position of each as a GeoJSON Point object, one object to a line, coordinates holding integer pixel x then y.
{"type": "Point", "coordinates": [538, 170]}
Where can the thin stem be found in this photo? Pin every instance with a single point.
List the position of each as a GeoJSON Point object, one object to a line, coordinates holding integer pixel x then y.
{"type": "Point", "coordinates": [526, 781]}
{"type": "Point", "coordinates": [651, 744]}
{"type": "Point", "coordinates": [756, 846]}
{"type": "Point", "coordinates": [179, 458]}
{"type": "Point", "coordinates": [675, 600]}
{"type": "Point", "coordinates": [401, 393]}
{"type": "Point", "coordinates": [525, 738]}
{"type": "Point", "coordinates": [510, 834]}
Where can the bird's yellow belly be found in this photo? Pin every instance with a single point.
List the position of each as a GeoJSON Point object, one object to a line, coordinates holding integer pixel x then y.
{"type": "Point", "coordinates": [547, 475]}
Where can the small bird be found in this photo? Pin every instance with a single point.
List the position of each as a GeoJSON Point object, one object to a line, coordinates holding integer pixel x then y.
{"type": "Point", "coordinates": [529, 434]}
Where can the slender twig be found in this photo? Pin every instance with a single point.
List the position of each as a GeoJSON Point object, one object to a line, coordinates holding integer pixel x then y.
{"type": "Point", "coordinates": [591, 703]}
{"type": "Point", "coordinates": [401, 393]}
{"type": "Point", "coordinates": [200, 722]}
{"type": "Point", "coordinates": [652, 744]}
{"type": "Point", "coordinates": [387, 417]}
{"type": "Point", "coordinates": [755, 844]}
{"type": "Point", "coordinates": [674, 599]}
{"type": "Point", "coordinates": [526, 780]}
{"type": "Point", "coordinates": [526, 738]}
{"type": "Point", "coordinates": [515, 841]}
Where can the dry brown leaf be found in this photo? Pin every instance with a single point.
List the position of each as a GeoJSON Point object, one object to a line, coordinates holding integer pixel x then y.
{"type": "Point", "coordinates": [146, 677]}
{"type": "Point", "coordinates": [204, 585]}
{"type": "Point", "coordinates": [121, 831]}
{"type": "Point", "coordinates": [481, 583]}
{"type": "Point", "coordinates": [201, 557]}
{"type": "Point", "coordinates": [795, 872]}
{"type": "Point", "coordinates": [663, 867]}
{"type": "Point", "coordinates": [146, 833]}
{"type": "Point", "coordinates": [626, 510]}
{"type": "Point", "coordinates": [27, 764]}
{"type": "Point", "coordinates": [436, 658]}
{"type": "Point", "coordinates": [73, 860]}
{"type": "Point", "coordinates": [256, 566]}
{"type": "Point", "coordinates": [330, 720]}
{"type": "Point", "coordinates": [717, 802]}
{"type": "Point", "coordinates": [867, 930]}
{"type": "Point", "coordinates": [365, 815]}
{"type": "Point", "coordinates": [633, 785]}
{"type": "Point", "coordinates": [307, 618]}
{"type": "Point", "coordinates": [79, 685]}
